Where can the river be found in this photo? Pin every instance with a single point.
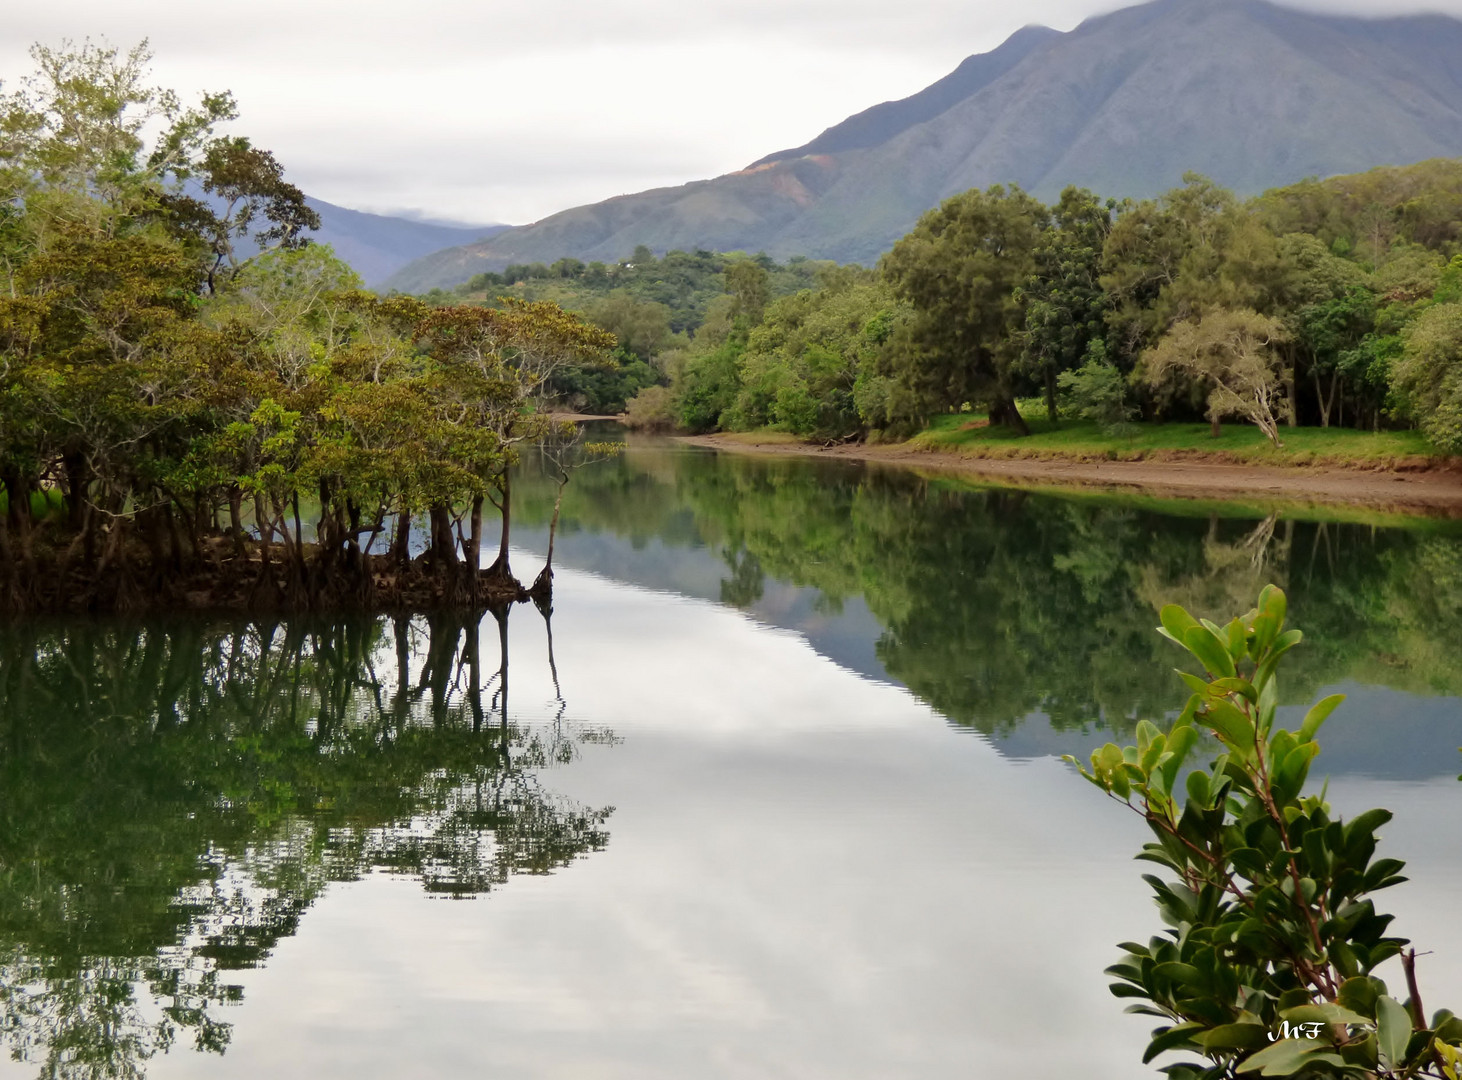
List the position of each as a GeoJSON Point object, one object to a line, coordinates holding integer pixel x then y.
{"type": "Point", "coordinates": [775, 791]}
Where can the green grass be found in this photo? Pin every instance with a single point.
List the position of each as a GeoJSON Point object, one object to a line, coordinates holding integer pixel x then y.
{"type": "Point", "coordinates": [1080, 440]}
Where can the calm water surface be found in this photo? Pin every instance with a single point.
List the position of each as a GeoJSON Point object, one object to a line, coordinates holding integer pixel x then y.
{"type": "Point", "coordinates": [775, 791]}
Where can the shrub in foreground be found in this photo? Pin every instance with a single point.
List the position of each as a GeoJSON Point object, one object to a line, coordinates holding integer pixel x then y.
{"type": "Point", "coordinates": [1268, 964]}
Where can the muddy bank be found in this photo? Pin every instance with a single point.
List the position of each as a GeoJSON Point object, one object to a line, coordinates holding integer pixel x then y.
{"type": "Point", "coordinates": [1434, 492]}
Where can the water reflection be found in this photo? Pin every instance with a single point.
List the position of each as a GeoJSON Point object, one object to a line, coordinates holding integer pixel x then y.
{"type": "Point", "coordinates": [175, 796]}
{"type": "Point", "coordinates": [1007, 609]}
{"type": "Point", "coordinates": [812, 875]}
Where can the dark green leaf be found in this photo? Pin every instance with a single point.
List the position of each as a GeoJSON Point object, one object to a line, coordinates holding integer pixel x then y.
{"type": "Point", "coordinates": [1393, 1030]}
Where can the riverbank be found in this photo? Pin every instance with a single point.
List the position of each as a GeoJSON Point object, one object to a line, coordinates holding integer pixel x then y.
{"type": "Point", "coordinates": [1413, 487]}
{"type": "Point", "coordinates": [1236, 444]}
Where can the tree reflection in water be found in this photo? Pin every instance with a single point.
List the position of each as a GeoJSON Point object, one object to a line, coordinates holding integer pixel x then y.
{"type": "Point", "coordinates": [999, 604]}
{"type": "Point", "coordinates": [174, 797]}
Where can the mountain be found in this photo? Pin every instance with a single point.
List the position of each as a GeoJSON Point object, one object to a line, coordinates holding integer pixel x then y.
{"type": "Point", "coordinates": [882, 122]}
{"type": "Point", "coordinates": [1249, 93]}
{"type": "Point", "coordinates": [377, 245]}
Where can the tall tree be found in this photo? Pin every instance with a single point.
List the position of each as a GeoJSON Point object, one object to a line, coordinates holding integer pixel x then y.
{"type": "Point", "coordinates": [1232, 355]}
{"type": "Point", "coordinates": [959, 269]}
{"type": "Point", "coordinates": [1065, 304]}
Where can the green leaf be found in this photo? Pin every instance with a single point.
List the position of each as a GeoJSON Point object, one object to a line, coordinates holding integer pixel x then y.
{"type": "Point", "coordinates": [1233, 726]}
{"type": "Point", "coordinates": [1175, 622]}
{"type": "Point", "coordinates": [1291, 771]}
{"type": "Point", "coordinates": [1198, 789]}
{"type": "Point", "coordinates": [1242, 1036]}
{"type": "Point", "coordinates": [1239, 686]}
{"type": "Point", "coordinates": [1169, 1038]}
{"type": "Point", "coordinates": [1236, 639]}
{"type": "Point", "coordinates": [1317, 715]}
{"type": "Point", "coordinates": [1195, 683]}
{"type": "Point", "coordinates": [1284, 1058]}
{"type": "Point", "coordinates": [1393, 1030]}
{"type": "Point", "coordinates": [1272, 604]}
{"type": "Point", "coordinates": [1365, 824]}
{"type": "Point", "coordinates": [1185, 974]}
{"type": "Point", "coordinates": [1325, 1013]}
{"type": "Point", "coordinates": [1210, 650]}
{"type": "Point", "coordinates": [1180, 742]}
{"type": "Point", "coordinates": [1282, 644]}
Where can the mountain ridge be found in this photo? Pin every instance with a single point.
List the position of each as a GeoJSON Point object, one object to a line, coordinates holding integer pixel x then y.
{"type": "Point", "coordinates": [375, 246]}
{"type": "Point", "coordinates": [1247, 92]}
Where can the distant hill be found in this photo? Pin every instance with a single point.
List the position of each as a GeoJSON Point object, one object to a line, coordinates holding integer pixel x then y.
{"type": "Point", "coordinates": [1249, 93]}
{"type": "Point", "coordinates": [376, 245]}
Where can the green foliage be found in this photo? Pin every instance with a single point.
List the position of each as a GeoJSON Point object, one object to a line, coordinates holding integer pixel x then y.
{"type": "Point", "coordinates": [1428, 374]}
{"type": "Point", "coordinates": [1097, 391]}
{"type": "Point", "coordinates": [682, 283]}
{"type": "Point", "coordinates": [1230, 353]}
{"type": "Point", "coordinates": [1292, 309]}
{"type": "Point", "coordinates": [1065, 304]}
{"type": "Point", "coordinates": [652, 409]}
{"type": "Point", "coordinates": [604, 389]}
{"type": "Point", "coordinates": [1268, 965]}
{"type": "Point", "coordinates": [960, 269]}
{"type": "Point", "coordinates": [157, 379]}
{"type": "Point", "coordinates": [804, 364]}
{"type": "Point", "coordinates": [707, 385]}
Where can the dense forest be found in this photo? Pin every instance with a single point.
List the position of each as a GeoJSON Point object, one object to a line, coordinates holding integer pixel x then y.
{"type": "Point", "coordinates": [199, 407]}
{"type": "Point", "coordinates": [1328, 303]}
{"type": "Point", "coordinates": [656, 308]}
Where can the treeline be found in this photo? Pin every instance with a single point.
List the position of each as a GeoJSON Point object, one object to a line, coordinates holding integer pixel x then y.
{"type": "Point", "coordinates": [654, 307]}
{"type": "Point", "coordinates": [1334, 302]}
{"type": "Point", "coordinates": [183, 424]}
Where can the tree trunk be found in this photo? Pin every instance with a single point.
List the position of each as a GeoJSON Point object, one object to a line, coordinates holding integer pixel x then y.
{"type": "Point", "coordinates": [502, 692]}
{"type": "Point", "coordinates": [473, 649]}
{"type": "Point", "coordinates": [443, 546]}
{"type": "Point", "coordinates": [1214, 428]}
{"type": "Point", "coordinates": [78, 483]}
{"type": "Point", "coordinates": [500, 568]}
{"type": "Point", "coordinates": [236, 520]}
{"type": "Point", "coordinates": [18, 515]}
{"type": "Point", "coordinates": [401, 543]}
{"type": "Point", "coordinates": [175, 530]}
{"type": "Point", "coordinates": [474, 550]}
{"type": "Point", "coordinates": [1003, 411]}
{"type": "Point", "coordinates": [543, 583]}
{"type": "Point", "coordinates": [1051, 411]}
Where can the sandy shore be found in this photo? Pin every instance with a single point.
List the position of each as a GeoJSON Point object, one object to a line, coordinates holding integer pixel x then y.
{"type": "Point", "coordinates": [1435, 492]}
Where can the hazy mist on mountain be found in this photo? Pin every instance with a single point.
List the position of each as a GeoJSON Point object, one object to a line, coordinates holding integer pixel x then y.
{"type": "Point", "coordinates": [377, 245]}
{"type": "Point", "coordinates": [1249, 93]}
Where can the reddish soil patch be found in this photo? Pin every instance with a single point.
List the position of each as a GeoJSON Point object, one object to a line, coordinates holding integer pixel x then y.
{"type": "Point", "coordinates": [1435, 491]}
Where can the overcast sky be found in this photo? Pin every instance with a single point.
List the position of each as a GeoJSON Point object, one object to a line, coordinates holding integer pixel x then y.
{"type": "Point", "coordinates": [491, 110]}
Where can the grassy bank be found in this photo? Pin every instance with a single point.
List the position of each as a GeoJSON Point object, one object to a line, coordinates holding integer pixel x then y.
{"type": "Point", "coordinates": [1079, 440]}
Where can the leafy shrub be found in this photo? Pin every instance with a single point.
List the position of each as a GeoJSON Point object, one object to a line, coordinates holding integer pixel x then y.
{"type": "Point", "coordinates": [1268, 966]}
{"type": "Point", "coordinates": [652, 409]}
